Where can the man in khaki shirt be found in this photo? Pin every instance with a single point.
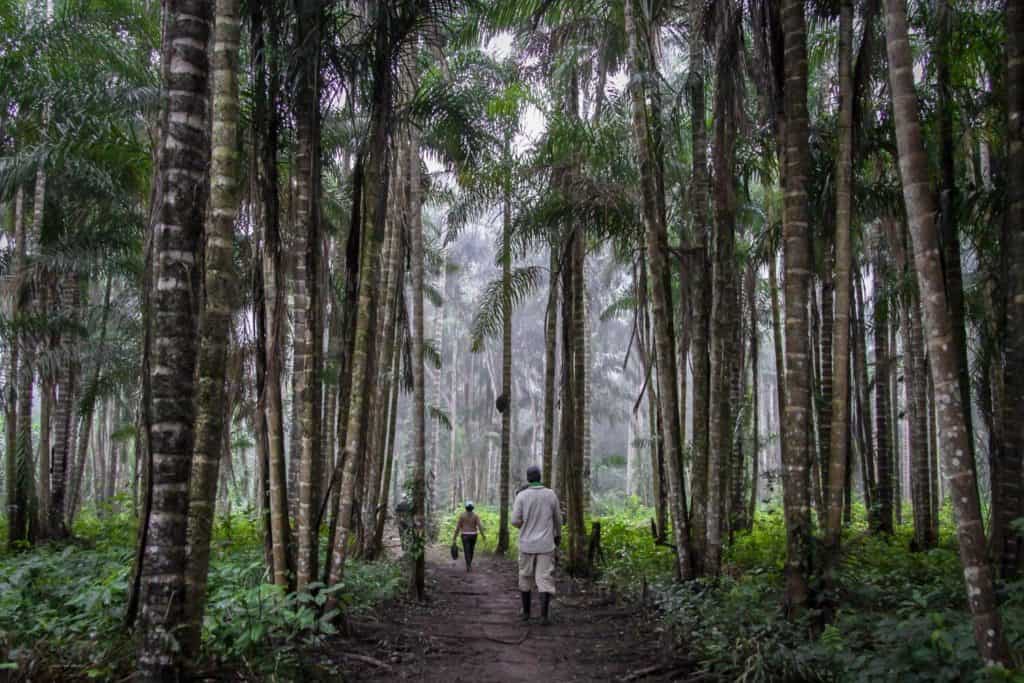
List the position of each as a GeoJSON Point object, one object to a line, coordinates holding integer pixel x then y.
{"type": "Point", "coordinates": [535, 513]}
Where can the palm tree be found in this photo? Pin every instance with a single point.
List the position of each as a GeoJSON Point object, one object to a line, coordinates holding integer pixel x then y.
{"type": "Point", "coordinates": [215, 322]}
{"type": "Point", "coordinates": [840, 409]}
{"type": "Point", "coordinates": [795, 234]}
{"type": "Point", "coordinates": [419, 444]}
{"type": "Point", "coordinates": [647, 140]}
{"type": "Point", "coordinates": [943, 352]}
{"type": "Point", "coordinates": [265, 123]}
{"type": "Point", "coordinates": [1012, 452]}
{"type": "Point", "coordinates": [179, 223]}
{"type": "Point", "coordinates": [308, 247]}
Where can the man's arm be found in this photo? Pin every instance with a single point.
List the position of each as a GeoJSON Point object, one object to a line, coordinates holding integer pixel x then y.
{"type": "Point", "coordinates": [517, 513]}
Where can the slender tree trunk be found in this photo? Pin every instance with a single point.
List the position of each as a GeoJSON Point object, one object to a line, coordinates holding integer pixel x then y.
{"type": "Point", "coordinates": [266, 125]}
{"type": "Point", "coordinates": [883, 512]}
{"type": "Point", "coordinates": [778, 342]}
{"type": "Point", "coordinates": [215, 324]}
{"type": "Point", "coordinates": [1009, 495]}
{"type": "Point", "coordinates": [723, 299]}
{"type": "Point", "coordinates": [43, 459]}
{"type": "Point", "coordinates": [179, 225]}
{"type": "Point", "coordinates": [419, 493]}
{"type": "Point", "coordinates": [648, 141]}
{"type": "Point", "coordinates": [14, 513]}
{"type": "Point", "coordinates": [701, 294]}
{"type": "Point", "coordinates": [506, 360]}
{"type": "Point", "coordinates": [372, 216]}
{"type": "Point", "coordinates": [550, 333]}
{"type": "Point", "coordinates": [797, 268]}
{"type": "Point", "coordinates": [862, 394]}
{"type": "Point", "coordinates": [839, 412]}
{"type": "Point", "coordinates": [64, 418]}
{"type": "Point", "coordinates": [308, 248]}
{"type": "Point", "coordinates": [939, 324]}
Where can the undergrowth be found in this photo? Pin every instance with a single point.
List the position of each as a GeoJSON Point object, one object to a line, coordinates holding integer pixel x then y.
{"type": "Point", "coordinates": [900, 616]}
{"type": "Point", "coordinates": [62, 606]}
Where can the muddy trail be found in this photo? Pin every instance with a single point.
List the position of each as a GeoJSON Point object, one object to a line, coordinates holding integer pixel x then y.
{"type": "Point", "coordinates": [469, 630]}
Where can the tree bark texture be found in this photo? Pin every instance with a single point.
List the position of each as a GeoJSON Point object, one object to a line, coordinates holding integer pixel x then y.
{"type": "Point", "coordinates": [183, 163]}
{"type": "Point", "coordinates": [943, 353]}
{"type": "Point", "coordinates": [795, 233]}
{"type": "Point", "coordinates": [650, 152]}
{"type": "Point", "coordinates": [215, 323]}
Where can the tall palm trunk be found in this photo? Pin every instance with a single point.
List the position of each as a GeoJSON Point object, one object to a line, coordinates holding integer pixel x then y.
{"type": "Point", "coordinates": [648, 140]}
{"type": "Point", "coordinates": [838, 451]}
{"type": "Point", "coordinates": [43, 494]}
{"type": "Point", "coordinates": [1008, 501]}
{"type": "Point", "coordinates": [215, 325]}
{"type": "Point", "coordinates": [308, 248]}
{"type": "Point", "coordinates": [701, 293]}
{"type": "Point", "coordinates": [795, 230]}
{"type": "Point", "coordinates": [723, 295]}
{"type": "Point", "coordinates": [883, 509]}
{"type": "Point", "coordinates": [372, 216]}
{"type": "Point", "coordinates": [506, 357]}
{"type": "Point", "coordinates": [266, 124]}
{"type": "Point", "coordinates": [777, 343]}
{"type": "Point", "coordinates": [67, 386]}
{"type": "Point", "coordinates": [550, 333]}
{"type": "Point", "coordinates": [943, 353]}
{"type": "Point", "coordinates": [419, 446]}
{"type": "Point", "coordinates": [862, 397]}
{"type": "Point", "coordinates": [183, 162]}
{"type": "Point", "coordinates": [11, 394]}
{"type": "Point", "coordinates": [394, 284]}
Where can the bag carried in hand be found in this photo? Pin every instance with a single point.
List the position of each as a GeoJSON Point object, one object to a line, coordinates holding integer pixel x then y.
{"type": "Point", "coordinates": [455, 551]}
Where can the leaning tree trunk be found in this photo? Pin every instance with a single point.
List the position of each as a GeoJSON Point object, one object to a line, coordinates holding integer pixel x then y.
{"type": "Point", "coordinates": [215, 325]}
{"type": "Point", "coordinates": [839, 430]}
{"type": "Point", "coordinates": [179, 224]}
{"type": "Point", "coordinates": [943, 352]}
{"type": "Point", "coordinates": [1010, 496]}
{"type": "Point", "coordinates": [795, 233]}
{"type": "Point", "coordinates": [648, 140]}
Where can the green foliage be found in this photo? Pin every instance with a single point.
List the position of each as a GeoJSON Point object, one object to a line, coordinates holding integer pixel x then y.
{"type": "Point", "coordinates": [62, 607]}
{"type": "Point", "coordinates": [902, 615]}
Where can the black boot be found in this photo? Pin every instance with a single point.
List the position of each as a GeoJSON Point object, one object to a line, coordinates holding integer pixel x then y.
{"type": "Point", "coordinates": [526, 605]}
{"type": "Point", "coordinates": [545, 603]}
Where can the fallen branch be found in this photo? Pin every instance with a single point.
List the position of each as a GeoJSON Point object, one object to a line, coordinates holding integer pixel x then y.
{"type": "Point", "coordinates": [366, 659]}
{"type": "Point", "coordinates": [644, 673]}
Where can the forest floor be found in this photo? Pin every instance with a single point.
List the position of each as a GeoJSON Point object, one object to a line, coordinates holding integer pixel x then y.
{"type": "Point", "coordinates": [469, 630]}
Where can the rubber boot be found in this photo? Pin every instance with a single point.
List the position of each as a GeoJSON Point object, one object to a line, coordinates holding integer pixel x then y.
{"type": "Point", "coordinates": [526, 605]}
{"type": "Point", "coordinates": [545, 603]}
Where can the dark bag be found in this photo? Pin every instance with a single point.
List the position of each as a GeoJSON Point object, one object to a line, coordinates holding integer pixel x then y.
{"type": "Point", "coordinates": [455, 551]}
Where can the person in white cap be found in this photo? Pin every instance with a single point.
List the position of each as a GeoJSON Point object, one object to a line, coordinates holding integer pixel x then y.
{"type": "Point", "coordinates": [469, 526]}
{"type": "Point", "coordinates": [535, 513]}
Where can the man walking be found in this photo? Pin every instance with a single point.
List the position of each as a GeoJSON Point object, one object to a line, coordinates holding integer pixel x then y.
{"type": "Point", "coordinates": [535, 513]}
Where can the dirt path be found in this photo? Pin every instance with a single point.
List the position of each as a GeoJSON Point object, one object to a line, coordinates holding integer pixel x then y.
{"type": "Point", "coordinates": [470, 631]}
